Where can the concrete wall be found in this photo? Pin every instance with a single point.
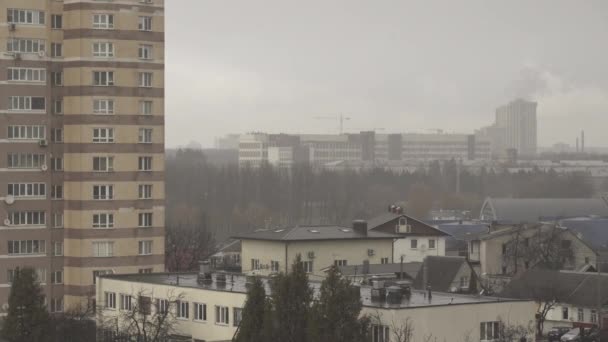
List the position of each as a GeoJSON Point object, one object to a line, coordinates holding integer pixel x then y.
{"type": "Point", "coordinates": [403, 247]}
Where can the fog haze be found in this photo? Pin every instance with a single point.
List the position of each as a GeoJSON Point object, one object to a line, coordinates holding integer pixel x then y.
{"type": "Point", "coordinates": [400, 66]}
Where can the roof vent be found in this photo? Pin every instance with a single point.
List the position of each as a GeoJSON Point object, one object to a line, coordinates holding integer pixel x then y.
{"type": "Point", "coordinates": [360, 227]}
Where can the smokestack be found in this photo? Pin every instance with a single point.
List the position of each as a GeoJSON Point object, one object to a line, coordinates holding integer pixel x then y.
{"type": "Point", "coordinates": [577, 145]}
{"type": "Point", "coordinates": [583, 141]}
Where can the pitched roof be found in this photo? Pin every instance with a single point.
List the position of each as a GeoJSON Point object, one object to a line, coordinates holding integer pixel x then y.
{"type": "Point", "coordinates": [409, 268]}
{"type": "Point", "coordinates": [440, 272]}
{"type": "Point", "coordinates": [521, 210]}
{"type": "Point", "coordinates": [594, 231]}
{"type": "Point", "coordinates": [313, 233]}
{"type": "Point", "coordinates": [386, 217]}
{"type": "Point", "coordinates": [577, 288]}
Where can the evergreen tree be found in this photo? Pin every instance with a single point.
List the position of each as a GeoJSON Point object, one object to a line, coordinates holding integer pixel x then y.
{"type": "Point", "coordinates": [335, 315]}
{"type": "Point", "coordinates": [27, 318]}
{"type": "Point", "coordinates": [255, 311]}
{"type": "Point", "coordinates": [291, 303]}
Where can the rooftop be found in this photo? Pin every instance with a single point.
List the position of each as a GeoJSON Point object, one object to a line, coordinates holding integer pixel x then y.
{"type": "Point", "coordinates": [313, 233]}
{"type": "Point", "coordinates": [237, 283]}
{"type": "Point", "coordinates": [409, 268]}
{"type": "Point", "coordinates": [521, 210]}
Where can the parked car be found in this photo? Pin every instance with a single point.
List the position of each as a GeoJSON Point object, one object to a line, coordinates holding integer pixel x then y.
{"type": "Point", "coordinates": [581, 335]}
{"type": "Point", "coordinates": [557, 332]}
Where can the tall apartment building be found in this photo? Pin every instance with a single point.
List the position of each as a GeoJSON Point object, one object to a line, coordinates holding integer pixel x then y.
{"type": "Point", "coordinates": [82, 142]}
{"type": "Point", "coordinates": [517, 121]}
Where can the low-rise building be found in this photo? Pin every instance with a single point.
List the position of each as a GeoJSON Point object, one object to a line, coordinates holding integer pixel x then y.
{"type": "Point", "coordinates": [530, 210]}
{"type": "Point", "coordinates": [274, 250]}
{"type": "Point", "coordinates": [211, 310]}
{"type": "Point", "coordinates": [416, 239]}
{"type": "Point", "coordinates": [447, 274]}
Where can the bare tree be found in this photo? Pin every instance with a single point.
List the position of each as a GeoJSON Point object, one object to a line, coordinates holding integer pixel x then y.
{"type": "Point", "coordinates": [143, 320]}
{"type": "Point", "coordinates": [187, 244]}
{"type": "Point", "coordinates": [402, 331]}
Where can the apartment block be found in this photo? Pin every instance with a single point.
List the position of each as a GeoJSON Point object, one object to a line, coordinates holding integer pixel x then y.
{"type": "Point", "coordinates": [82, 142]}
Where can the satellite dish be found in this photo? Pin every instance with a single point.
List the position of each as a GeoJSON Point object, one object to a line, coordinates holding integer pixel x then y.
{"type": "Point", "coordinates": [5, 307]}
{"type": "Point", "coordinates": [7, 222]}
{"type": "Point", "coordinates": [44, 167]}
{"type": "Point", "coordinates": [9, 199]}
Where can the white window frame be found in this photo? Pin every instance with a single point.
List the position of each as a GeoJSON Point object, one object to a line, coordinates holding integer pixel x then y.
{"type": "Point", "coordinates": [57, 277]}
{"type": "Point", "coordinates": [25, 16]}
{"type": "Point", "coordinates": [146, 107]}
{"type": "Point", "coordinates": [26, 160]}
{"type": "Point", "coordinates": [126, 302]}
{"type": "Point", "coordinates": [26, 247]}
{"type": "Point", "coordinates": [27, 190]}
{"type": "Point", "coordinates": [103, 49]}
{"type": "Point", "coordinates": [103, 135]}
{"type": "Point", "coordinates": [27, 218]}
{"type": "Point", "coordinates": [103, 21]}
{"type": "Point", "coordinates": [183, 310]}
{"type": "Point", "coordinates": [109, 300]}
{"type": "Point", "coordinates": [25, 104]}
{"type": "Point", "coordinates": [58, 219]}
{"type": "Point", "coordinates": [145, 79]}
{"type": "Point", "coordinates": [56, 50]}
{"type": "Point", "coordinates": [145, 51]}
{"type": "Point", "coordinates": [307, 265]}
{"type": "Point", "coordinates": [145, 220]}
{"type": "Point", "coordinates": [103, 78]}
{"type": "Point", "coordinates": [432, 244]}
{"type": "Point", "coordinates": [103, 106]}
{"type": "Point", "coordinates": [144, 163]}
{"type": "Point", "coordinates": [222, 315]}
{"type": "Point", "coordinates": [103, 249]}
{"type": "Point", "coordinates": [103, 163]}
{"type": "Point", "coordinates": [25, 45]}
{"type": "Point", "coordinates": [200, 312]}
{"type": "Point", "coordinates": [103, 192]}
{"type": "Point", "coordinates": [144, 191]}
{"type": "Point", "coordinates": [144, 247]}
{"type": "Point", "coordinates": [489, 331]}
{"type": "Point", "coordinates": [145, 135]}
{"type": "Point", "coordinates": [102, 220]}
{"type": "Point", "coordinates": [30, 75]}
{"type": "Point", "coordinates": [57, 248]}
{"type": "Point", "coordinates": [144, 23]}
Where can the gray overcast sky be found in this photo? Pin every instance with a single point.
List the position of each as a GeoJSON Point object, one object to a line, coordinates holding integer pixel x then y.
{"type": "Point", "coordinates": [236, 66]}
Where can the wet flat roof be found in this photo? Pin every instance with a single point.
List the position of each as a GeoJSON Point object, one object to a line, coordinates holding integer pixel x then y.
{"type": "Point", "coordinates": [237, 283]}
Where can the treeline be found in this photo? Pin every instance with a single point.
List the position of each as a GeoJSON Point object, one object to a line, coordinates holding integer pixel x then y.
{"type": "Point", "coordinates": [233, 199]}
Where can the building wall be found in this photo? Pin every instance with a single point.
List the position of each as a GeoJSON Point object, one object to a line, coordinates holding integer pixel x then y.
{"type": "Point", "coordinates": [518, 119]}
{"type": "Point", "coordinates": [403, 247]}
{"type": "Point", "coordinates": [454, 323]}
{"type": "Point", "coordinates": [355, 252]}
{"type": "Point", "coordinates": [76, 122]}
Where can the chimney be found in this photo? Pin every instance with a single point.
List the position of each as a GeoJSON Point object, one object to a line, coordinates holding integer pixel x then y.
{"type": "Point", "coordinates": [583, 141]}
{"type": "Point", "coordinates": [577, 145]}
{"type": "Point", "coordinates": [360, 227]}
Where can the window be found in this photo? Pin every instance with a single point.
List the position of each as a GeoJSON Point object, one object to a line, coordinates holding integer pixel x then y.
{"type": "Point", "coordinates": [145, 136]}
{"type": "Point", "coordinates": [274, 266]}
{"type": "Point", "coordinates": [110, 300]}
{"type": "Point", "coordinates": [103, 106]}
{"type": "Point", "coordinates": [27, 218]}
{"type": "Point", "coordinates": [57, 164]}
{"type": "Point", "coordinates": [200, 312]}
{"type": "Point", "coordinates": [145, 305]}
{"type": "Point", "coordinates": [145, 107]}
{"type": "Point", "coordinates": [593, 316]}
{"type": "Point", "coordinates": [20, 247]}
{"type": "Point", "coordinates": [307, 265]}
{"type": "Point", "coordinates": [58, 220]}
{"type": "Point", "coordinates": [27, 189]}
{"type": "Point", "coordinates": [56, 50]}
{"type": "Point", "coordinates": [145, 191]}
{"type": "Point", "coordinates": [103, 49]}
{"type": "Point", "coordinates": [103, 78]}
{"type": "Point", "coordinates": [103, 249]}
{"type": "Point", "coordinates": [145, 79]}
{"type": "Point", "coordinates": [103, 164]}
{"type": "Point", "coordinates": [26, 103]}
{"type": "Point", "coordinates": [580, 315]}
{"type": "Point", "coordinates": [58, 248]}
{"type": "Point", "coordinates": [103, 220]}
{"type": "Point", "coordinates": [56, 21]}
{"type": "Point", "coordinates": [57, 277]}
{"type": "Point", "coordinates": [432, 243]}
{"type": "Point", "coordinates": [125, 302]}
{"type": "Point", "coordinates": [144, 270]}
{"type": "Point", "coordinates": [26, 160]}
{"type": "Point", "coordinates": [10, 276]}
{"type": "Point", "coordinates": [26, 132]}
{"type": "Point", "coordinates": [145, 247]}
{"type": "Point", "coordinates": [504, 249]}
{"type": "Point", "coordinates": [255, 264]}
{"type": "Point", "coordinates": [145, 24]}
{"type": "Point", "coordinates": [41, 275]}
{"type": "Point", "coordinates": [26, 75]}
{"type": "Point", "coordinates": [57, 135]}
{"type": "Point", "coordinates": [384, 260]}
{"type": "Point", "coordinates": [103, 135]}
{"type": "Point", "coordinates": [565, 312]}
{"type": "Point", "coordinates": [340, 262]}
{"type": "Point", "coordinates": [162, 305]}
{"type": "Point", "coordinates": [56, 305]}
{"type": "Point", "coordinates": [103, 192]}
{"type": "Point", "coordinates": [58, 106]}
{"type": "Point", "coordinates": [99, 273]}
{"type": "Point", "coordinates": [145, 163]}
{"type": "Point", "coordinates": [145, 51]}
{"type": "Point", "coordinates": [222, 315]}
{"type": "Point", "coordinates": [413, 244]}
{"type": "Point", "coordinates": [23, 45]}
{"type": "Point", "coordinates": [489, 331]}
{"type": "Point", "coordinates": [23, 16]}
{"type": "Point", "coordinates": [103, 21]}
{"type": "Point", "coordinates": [380, 333]}
{"type": "Point", "coordinates": [56, 191]}
{"type": "Point", "coordinates": [237, 316]}
{"type": "Point", "coordinates": [56, 78]}
{"type": "Point", "coordinates": [144, 220]}
{"type": "Point", "coordinates": [183, 309]}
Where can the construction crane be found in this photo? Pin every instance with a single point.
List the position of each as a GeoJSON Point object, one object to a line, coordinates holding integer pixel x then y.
{"type": "Point", "coordinates": [341, 118]}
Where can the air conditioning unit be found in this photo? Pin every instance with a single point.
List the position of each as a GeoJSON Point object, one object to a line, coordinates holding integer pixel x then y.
{"type": "Point", "coordinates": [43, 143]}
{"type": "Point", "coordinates": [371, 252]}
{"type": "Point", "coordinates": [311, 255]}
{"type": "Point", "coordinates": [12, 27]}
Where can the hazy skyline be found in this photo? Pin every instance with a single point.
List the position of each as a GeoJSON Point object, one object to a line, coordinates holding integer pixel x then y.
{"type": "Point", "coordinates": [401, 66]}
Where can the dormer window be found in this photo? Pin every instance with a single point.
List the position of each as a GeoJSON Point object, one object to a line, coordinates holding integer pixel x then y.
{"type": "Point", "coordinates": [402, 221]}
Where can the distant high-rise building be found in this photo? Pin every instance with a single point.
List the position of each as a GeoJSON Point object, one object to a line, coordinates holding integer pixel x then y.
{"type": "Point", "coordinates": [82, 158]}
{"type": "Point", "coordinates": [517, 119]}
